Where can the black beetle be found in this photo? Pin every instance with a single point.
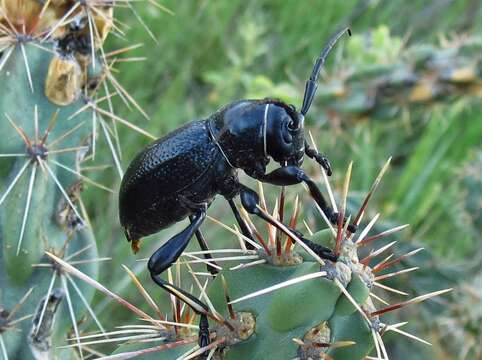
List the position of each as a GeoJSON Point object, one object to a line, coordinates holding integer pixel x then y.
{"type": "Point", "coordinates": [179, 175]}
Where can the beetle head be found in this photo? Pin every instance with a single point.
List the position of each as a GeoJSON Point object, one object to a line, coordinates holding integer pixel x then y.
{"type": "Point", "coordinates": [285, 135]}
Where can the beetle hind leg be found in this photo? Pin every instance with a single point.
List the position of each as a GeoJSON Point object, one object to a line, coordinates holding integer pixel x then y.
{"type": "Point", "coordinates": [165, 256]}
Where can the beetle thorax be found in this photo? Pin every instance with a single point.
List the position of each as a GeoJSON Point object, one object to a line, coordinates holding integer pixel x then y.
{"type": "Point", "coordinates": [239, 129]}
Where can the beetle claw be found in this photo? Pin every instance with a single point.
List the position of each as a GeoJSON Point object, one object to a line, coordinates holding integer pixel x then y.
{"type": "Point", "coordinates": [203, 336]}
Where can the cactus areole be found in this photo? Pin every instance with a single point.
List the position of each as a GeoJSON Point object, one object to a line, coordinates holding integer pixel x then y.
{"type": "Point", "coordinates": [179, 175]}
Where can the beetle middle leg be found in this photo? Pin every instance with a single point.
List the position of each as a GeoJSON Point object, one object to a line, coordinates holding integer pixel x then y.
{"type": "Point", "coordinates": [204, 247]}
{"type": "Point", "coordinates": [250, 201]}
{"type": "Point", "coordinates": [290, 175]}
{"type": "Point", "coordinates": [165, 256]}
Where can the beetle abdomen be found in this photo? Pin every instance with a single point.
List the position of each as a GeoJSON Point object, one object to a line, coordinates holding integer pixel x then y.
{"type": "Point", "coordinates": [150, 189]}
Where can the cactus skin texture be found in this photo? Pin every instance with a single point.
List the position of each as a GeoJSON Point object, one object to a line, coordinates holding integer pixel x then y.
{"type": "Point", "coordinates": [292, 311]}
{"type": "Point", "coordinates": [35, 211]}
{"type": "Point", "coordinates": [42, 228]}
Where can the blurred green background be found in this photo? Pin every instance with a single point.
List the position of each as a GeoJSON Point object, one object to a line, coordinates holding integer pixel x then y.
{"type": "Point", "coordinates": [408, 84]}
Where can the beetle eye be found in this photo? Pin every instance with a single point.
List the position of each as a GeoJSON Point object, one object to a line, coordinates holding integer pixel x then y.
{"type": "Point", "coordinates": [292, 125]}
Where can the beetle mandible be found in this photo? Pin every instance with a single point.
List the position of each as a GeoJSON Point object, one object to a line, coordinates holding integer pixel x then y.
{"type": "Point", "coordinates": [179, 175]}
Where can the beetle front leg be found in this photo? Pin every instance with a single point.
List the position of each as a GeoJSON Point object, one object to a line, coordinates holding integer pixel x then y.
{"type": "Point", "coordinates": [250, 201]}
{"type": "Point", "coordinates": [290, 175]}
{"type": "Point", "coordinates": [319, 158]}
{"type": "Point", "coordinates": [165, 256]}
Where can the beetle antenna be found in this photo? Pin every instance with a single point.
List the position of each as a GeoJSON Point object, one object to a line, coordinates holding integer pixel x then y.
{"type": "Point", "coordinates": [311, 84]}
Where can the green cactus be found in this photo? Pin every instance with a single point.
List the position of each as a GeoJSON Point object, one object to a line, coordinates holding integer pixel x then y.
{"type": "Point", "coordinates": [285, 303]}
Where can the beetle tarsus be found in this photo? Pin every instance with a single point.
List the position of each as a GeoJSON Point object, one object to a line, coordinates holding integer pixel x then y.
{"type": "Point", "coordinates": [319, 158]}
{"type": "Point", "coordinates": [203, 335]}
{"type": "Point", "coordinates": [334, 220]}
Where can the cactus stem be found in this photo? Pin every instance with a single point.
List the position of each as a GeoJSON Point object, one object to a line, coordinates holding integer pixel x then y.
{"type": "Point", "coordinates": [27, 206]}
{"type": "Point", "coordinates": [281, 285]}
{"type": "Point", "coordinates": [350, 298]}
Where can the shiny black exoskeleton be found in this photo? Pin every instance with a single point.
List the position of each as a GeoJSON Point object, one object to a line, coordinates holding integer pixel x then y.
{"type": "Point", "coordinates": [179, 175]}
